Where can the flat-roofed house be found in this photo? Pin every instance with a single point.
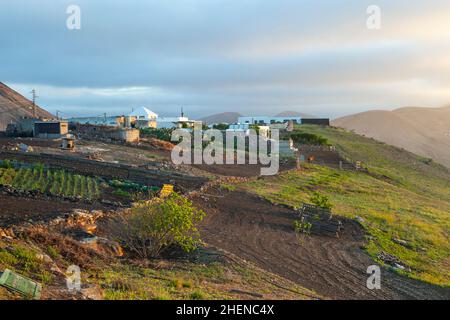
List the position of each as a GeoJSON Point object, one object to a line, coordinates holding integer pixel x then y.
{"type": "Point", "coordinates": [51, 129]}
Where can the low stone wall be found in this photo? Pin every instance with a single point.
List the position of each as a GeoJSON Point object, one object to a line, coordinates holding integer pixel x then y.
{"type": "Point", "coordinates": [106, 132]}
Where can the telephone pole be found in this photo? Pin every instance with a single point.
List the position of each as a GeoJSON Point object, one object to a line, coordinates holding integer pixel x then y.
{"type": "Point", "coordinates": [34, 96]}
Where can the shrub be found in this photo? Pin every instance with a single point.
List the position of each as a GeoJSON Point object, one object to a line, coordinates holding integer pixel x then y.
{"type": "Point", "coordinates": [197, 295]}
{"type": "Point", "coordinates": [161, 133]}
{"type": "Point", "coordinates": [6, 164]}
{"type": "Point", "coordinates": [302, 230]}
{"type": "Point", "coordinates": [122, 193]}
{"type": "Point", "coordinates": [302, 227]}
{"type": "Point", "coordinates": [152, 227]}
{"type": "Point", "coordinates": [321, 201]}
{"type": "Point", "coordinates": [221, 126]}
{"type": "Point", "coordinates": [309, 138]}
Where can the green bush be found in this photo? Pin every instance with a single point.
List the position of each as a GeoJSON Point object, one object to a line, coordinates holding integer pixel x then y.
{"type": "Point", "coordinates": [302, 227]}
{"type": "Point", "coordinates": [221, 126]}
{"type": "Point", "coordinates": [309, 138]}
{"type": "Point", "coordinates": [161, 134]}
{"type": "Point", "coordinates": [122, 193]}
{"type": "Point", "coordinates": [153, 227]}
{"type": "Point", "coordinates": [321, 201]}
{"type": "Point", "coordinates": [6, 164]}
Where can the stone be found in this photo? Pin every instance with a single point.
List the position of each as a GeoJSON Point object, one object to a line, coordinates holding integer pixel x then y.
{"type": "Point", "coordinates": [92, 292]}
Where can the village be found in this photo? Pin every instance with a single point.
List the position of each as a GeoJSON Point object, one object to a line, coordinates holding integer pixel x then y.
{"type": "Point", "coordinates": [72, 185]}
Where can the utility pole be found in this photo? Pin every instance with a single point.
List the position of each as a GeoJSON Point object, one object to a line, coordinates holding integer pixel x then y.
{"type": "Point", "coordinates": [34, 96]}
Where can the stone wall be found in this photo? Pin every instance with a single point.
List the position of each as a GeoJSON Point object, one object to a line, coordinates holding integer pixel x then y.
{"type": "Point", "coordinates": [106, 133]}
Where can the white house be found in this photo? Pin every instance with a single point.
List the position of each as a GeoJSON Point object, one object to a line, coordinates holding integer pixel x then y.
{"type": "Point", "coordinates": [171, 122]}
{"type": "Point", "coordinates": [144, 118]}
{"type": "Point", "coordinates": [143, 114]}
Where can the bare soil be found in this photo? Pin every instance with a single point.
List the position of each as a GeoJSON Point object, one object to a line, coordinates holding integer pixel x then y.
{"type": "Point", "coordinates": [14, 210]}
{"type": "Point", "coordinates": [263, 233]}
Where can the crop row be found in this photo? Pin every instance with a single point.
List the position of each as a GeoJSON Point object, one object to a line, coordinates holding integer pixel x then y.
{"type": "Point", "coordinates": [56, 182]}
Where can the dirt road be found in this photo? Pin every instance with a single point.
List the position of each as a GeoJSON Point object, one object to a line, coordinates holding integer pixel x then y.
{"type": "Point", "coordinates": [260, 232]}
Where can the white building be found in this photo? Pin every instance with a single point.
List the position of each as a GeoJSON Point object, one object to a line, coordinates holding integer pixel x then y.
{"type": "Point", "coordinates": [171, 122]}
{"type": "Point", "coordinates": [265, 120]}
{"type": "Point", "coordinates": [245, 127]}
{"type": "Point", "coordinates": [143, 114]}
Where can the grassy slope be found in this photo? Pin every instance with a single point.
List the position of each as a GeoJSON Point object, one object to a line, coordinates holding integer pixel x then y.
{"type": "Point", "coordinates": [403, 198]}
{"type": "Point", "coordinates": [160, 279]}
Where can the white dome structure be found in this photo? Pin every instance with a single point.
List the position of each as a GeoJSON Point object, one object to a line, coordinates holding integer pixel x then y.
{"type": "Point", "coordinates": [143, 114]}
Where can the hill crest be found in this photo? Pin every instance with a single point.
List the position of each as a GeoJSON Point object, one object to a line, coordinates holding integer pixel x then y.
{"type": "Point", "coordinates": [14, 106]}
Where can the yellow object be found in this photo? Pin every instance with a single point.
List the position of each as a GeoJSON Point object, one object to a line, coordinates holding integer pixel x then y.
{"type": "Point", "coordinates": [166, 191]}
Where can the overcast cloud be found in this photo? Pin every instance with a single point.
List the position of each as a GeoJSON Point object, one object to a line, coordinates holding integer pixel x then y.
{"type": "Point", "coordinates": [249, 56]}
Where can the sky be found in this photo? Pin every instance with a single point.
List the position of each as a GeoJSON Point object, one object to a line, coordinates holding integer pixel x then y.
{"type": "Point", "coordinates": [255, 57]}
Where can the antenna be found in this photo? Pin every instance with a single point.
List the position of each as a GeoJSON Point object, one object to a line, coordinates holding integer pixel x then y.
{"type": "Point", "coordinates": [34, 96]}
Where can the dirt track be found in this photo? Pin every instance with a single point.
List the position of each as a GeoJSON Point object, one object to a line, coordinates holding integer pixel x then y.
{"type": "Point", "coordinates": [260, 232]}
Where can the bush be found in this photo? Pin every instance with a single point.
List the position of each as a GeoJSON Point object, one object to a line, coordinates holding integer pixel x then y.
{"type": "Point", "coordinates": [302, 227]}
{"type": "Point", "coordinates": [321, 201]}
{"type": "Point", "coordinates": [309, 138]}
{"type": "Point", "coordinates": [6, 164]}
{"type": "Point", "coordinates": [152, 227]}
{"type": "Point", "coordinates": [221, 126]}
{"type": "Point", "coordinates": [161, 133]}
{"type": "Point", "coordinates": [122, 193]}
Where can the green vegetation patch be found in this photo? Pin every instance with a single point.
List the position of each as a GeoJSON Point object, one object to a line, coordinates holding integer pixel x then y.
{"type": "Point", "coordinates": [56, 182]}
{"type": "Point", "coordinates": [309, 138]}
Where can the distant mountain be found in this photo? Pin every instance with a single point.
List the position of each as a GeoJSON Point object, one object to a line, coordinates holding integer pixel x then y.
{"type": "Point", "coordinates": [225, 117]}
{"type": "Point", "coordinates": [424, 131]}
{"type": "Point", "coordinates": [14, 106]}
{"type": "Point", "coordinates": [294, 114]}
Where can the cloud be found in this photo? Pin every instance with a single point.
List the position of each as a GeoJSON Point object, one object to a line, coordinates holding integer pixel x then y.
{"type": "Point", "coordinates": [217, 55]}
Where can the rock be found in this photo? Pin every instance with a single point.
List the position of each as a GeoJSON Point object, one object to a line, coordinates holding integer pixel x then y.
{"type": "Point", "coordinates": [92, 292]}
{"type": "Point", "coordinates": [399, 266]}
{"type": "Point", "coordinates": [359, 219]}
{"type": "Point", "coordinates": [43, 257]}
{"type": "Point", "coordinates": [402, 242]}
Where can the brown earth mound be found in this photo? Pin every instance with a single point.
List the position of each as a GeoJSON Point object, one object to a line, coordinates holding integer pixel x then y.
{"type": "Point", "coordinates": [14, 106]}
{"type": "Point", "coordinates": [423, 131]}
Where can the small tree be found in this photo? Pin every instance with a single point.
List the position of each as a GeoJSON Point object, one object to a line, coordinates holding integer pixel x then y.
{"type": "Point", "coordinates": [302, 230]}
{"type": "Point", "coordinates": [151, 227]}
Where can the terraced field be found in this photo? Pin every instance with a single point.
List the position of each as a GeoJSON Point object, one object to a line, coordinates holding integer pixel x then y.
{"type": "Point", "coordinates": [55, 182]}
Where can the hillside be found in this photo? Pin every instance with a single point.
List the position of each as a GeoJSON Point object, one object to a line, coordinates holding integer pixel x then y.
{"type": "Point", "coordinates": [225, 117]}
{"type": "Point", "coordinates": [403, 202]}
{"type": "Point", "coordinates": [424, 131]}
{"type": "Point", "coordinates": [13, 106]}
